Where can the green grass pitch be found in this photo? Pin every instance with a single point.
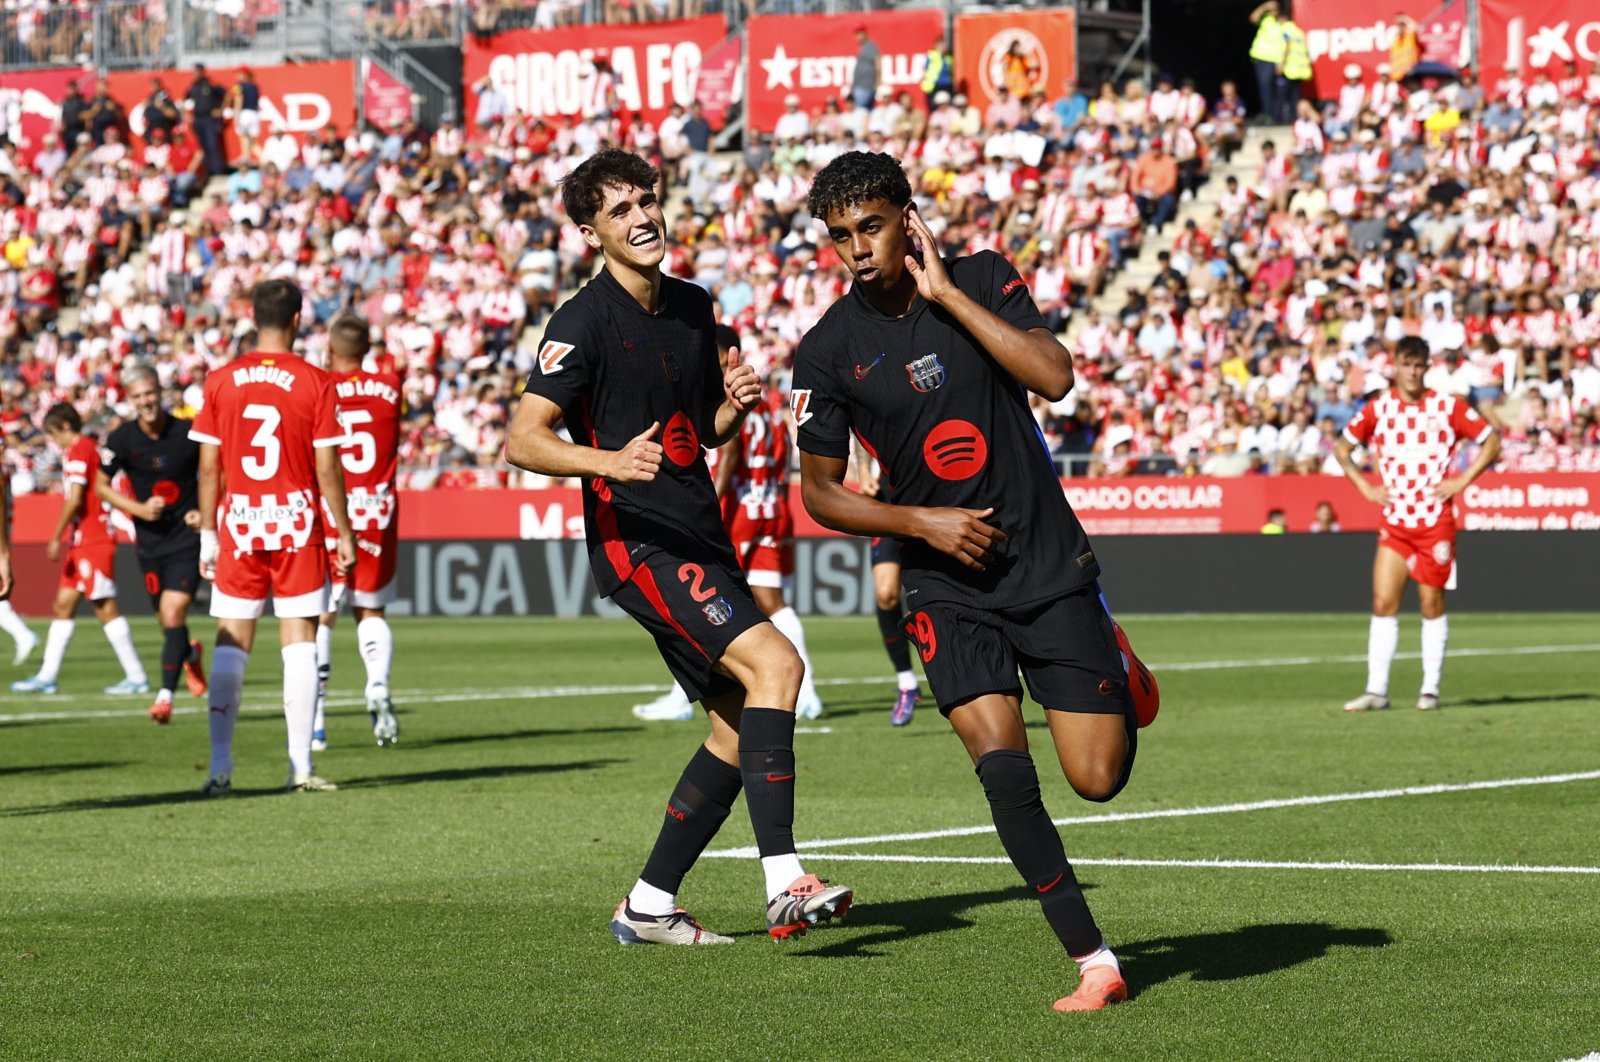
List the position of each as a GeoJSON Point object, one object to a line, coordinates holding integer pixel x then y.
{"type": "Point", "coordinates": [452, 899]}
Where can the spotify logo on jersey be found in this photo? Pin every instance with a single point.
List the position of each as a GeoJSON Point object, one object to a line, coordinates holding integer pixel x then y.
{"type": "Point", "coordinates": [955, 449]}
{"type": "Point", "coordinates": [680, 441]}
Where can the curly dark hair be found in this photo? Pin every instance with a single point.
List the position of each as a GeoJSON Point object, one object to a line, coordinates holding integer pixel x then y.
{"type": "Point", "coordinates": [584, 189]}
{"type": "Point", "coordinates": [1411, 347]}
{"type": "Point", "coordinates": [855, 177]}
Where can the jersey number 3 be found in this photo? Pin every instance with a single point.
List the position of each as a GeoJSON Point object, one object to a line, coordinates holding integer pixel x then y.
{"type": "Point", "coordinates": [266, 440]}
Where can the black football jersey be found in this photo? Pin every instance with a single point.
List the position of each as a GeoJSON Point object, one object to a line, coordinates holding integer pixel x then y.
{"type": "Point", "coordinates": [167, 467]}
{"type": "Point", "coordinates": [950, 428]}
{"type": "Point", "coordinates": [614, 368]}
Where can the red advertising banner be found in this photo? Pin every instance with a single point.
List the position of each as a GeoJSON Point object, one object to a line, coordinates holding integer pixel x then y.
{"type": "Point", "coordinates": [385, 99]}
{"type": "Point", "coordinates": [719, 83]}
{"type": "Point", "coordinates": [35, 99]}
{"type": "Point", "coordinates": [1341, 32]}
{"type": "Point", "coordinates": [1517, 501]}
{"type": "Point", "coordinates": [1533, 35]}
{"type": "Point", "coordinates": [551, 72]}
{"type": "Point", "coordinates": [813, 56]}
{"type": "Point", "coordinates": [1047, 44]}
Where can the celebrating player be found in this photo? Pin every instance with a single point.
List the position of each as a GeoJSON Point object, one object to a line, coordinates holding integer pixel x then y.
{"type": "Point", "coordinates": [1412, 432]}
{"type": "Point", "coordinates": [886, 589]}
{"type": "Point", "coordinates": [163, 466]}
{"type": "Point", "coordinates": [90, 568]}
{"type": "Point", "coordinates": [369, 409]}
{"type": "Point", "coordinates": [630, 364]}
{"type": "Point", "coordinates": [751, 475]}
{"type": "Point", "coordinates": [268, 434]}
{"type": "Point", "coordinates": [929, 364]}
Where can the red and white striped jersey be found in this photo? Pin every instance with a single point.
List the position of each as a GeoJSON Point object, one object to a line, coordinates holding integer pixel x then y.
{"type": "Point", "coordinates": [1412, 443]}
{"type": "Point", "coordinates": [761, 465]}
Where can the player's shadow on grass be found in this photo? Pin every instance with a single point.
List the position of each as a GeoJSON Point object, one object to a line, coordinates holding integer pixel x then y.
{"type": "Point", "coordinates": [520, 735]}
{"type": "Point", "coordinates": [191, 796]}
{"type": "Point", "coordinates": [59, 768]}
{"type": "Point", "coordinates": [1526, 698]}
{"type": "Point", "coordinates": [897, 921]}
{"type": "Point", "coordinates": [468, 774]}
{"type": "Point", "coordinates": [1247, 952]}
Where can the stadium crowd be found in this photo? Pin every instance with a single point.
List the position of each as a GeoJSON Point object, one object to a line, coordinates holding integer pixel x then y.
{"type": "Point", "coordinates": [1465, 214]}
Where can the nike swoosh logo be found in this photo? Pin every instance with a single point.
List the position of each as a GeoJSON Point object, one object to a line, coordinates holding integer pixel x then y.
{"type": "Point", "coordinates": [778, 777]}
{"type": "Point", "coordinates": [861, 374]}
{"type": "Point", "coordinates": [1053, 884]}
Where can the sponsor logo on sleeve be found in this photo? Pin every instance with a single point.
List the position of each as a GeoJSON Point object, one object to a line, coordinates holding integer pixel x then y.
{"type": "Point", "coordinates": [800, 403]}
{"type": "Point", "coordinates": [551, 355]}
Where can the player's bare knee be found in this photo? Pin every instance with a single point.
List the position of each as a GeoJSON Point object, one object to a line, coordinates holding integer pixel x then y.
{"type": "Point", "coordinates": [1384, 605]}
{"type": "Point", "coordinates": [1097, 781]}
{"type": "Point", "coordinates": [888, 599]}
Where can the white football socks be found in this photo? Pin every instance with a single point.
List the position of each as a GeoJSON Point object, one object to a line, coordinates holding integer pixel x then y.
{"type": "Point", "coordinates": [1435, 636]}
{"type": "Point", "coordinates": [55, 648]}
{"type": "Point", "coordinates": [906, 679]}
{"type": "Point", "coordinates": [299, 702]}
{"type": "Point", "coordinates": [377, 651]}
{"type": "Point", "coordinates": [324, 671]}
{"type": "Point", "coordinates": [644, 898]}
{"type": "Point", "coordinates": [1101, 956]}
{"type": "Point", "coordinates": [121, 639]}
{"type": "Point", "coordinates": [1383, 638]}
{"type": "Point", "coordinates": [787, 620]}
{"type": "Point", "coordinates": [12, 623]}
{"type": "Point", "coordinates": [781, 871]}
{"type": "Point", "coordinates": [227, 686]}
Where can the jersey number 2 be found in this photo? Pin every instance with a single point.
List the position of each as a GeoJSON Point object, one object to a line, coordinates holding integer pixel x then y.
{"type": "Point", "coordinates": [694, 576]}
{"type": "Point", "coordinates": [265, 439]}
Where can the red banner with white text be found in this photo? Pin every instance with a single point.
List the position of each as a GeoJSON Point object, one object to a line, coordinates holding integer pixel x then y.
{"type": "Point", "coordinates": [1534, 35]}
{"type": "Point", "coordinates": [813, 57]}
{"type": "Point", "coordinates": [551, 73]}
{"type": "Point", "coordinates": [1341, 32]}
{"type": "Point", "coordinates": [1134, 505]}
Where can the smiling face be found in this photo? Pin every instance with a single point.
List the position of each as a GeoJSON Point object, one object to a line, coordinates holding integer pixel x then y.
{"type": "Point", "coordinates": [871, 239]}
{"type": "Point", "coordinates": [628, 228]}
{"type": "Point", "coordinates": [145, 397]}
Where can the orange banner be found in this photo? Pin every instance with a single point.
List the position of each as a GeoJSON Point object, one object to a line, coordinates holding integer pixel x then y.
{"type": "Point", "coordinates": [1046, 53]}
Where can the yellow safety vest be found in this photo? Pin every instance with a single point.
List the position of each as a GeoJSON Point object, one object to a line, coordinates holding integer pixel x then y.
{"type": "Point", "coordinates": [1268, 47]}
{"type": "Point", "coordinates": [931, 72]}
{"type": "Point", "coordinates": [1296, 56]}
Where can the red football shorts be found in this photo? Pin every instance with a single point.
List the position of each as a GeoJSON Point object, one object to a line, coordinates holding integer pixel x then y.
{"type": "Point", "coordinates": [91, 571]}
{"type": "Point", "coordinates": [764, 546]}
{"type": "Point", "coordinates": [1429, 552]}
{"type": "Point", "coordinates": [296, 579]}
{"type": "Point", "coordinates": [372, 583]}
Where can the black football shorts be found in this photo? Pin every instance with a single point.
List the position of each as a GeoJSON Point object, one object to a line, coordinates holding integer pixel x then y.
{"type": "Point", "coordinates": [885, 550]}
{"type": "Point", "coordinates": [694, 609]}
{"type": "Point", "coordinates": [1065, 648]}
{"type": "Point", "coordinates": [174, 569]}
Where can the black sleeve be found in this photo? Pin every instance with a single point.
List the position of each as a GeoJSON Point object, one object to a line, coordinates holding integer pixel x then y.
{"type": "Point", "coordinates": [561, 370]}
{"type": "Point", "coordinates": [821, 417]}
{"type": "Point", "coordinates": [113, 454]}
{"type": "Point", "coordinates": [1005, 292]}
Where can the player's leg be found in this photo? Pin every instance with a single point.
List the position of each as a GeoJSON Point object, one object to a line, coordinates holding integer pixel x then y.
{"type": "Point", "coordinates": [886, 591]}
{"type": "Point", "coordinates": [172, 582]}
{"type": "Point", "coordinates": [238, 599]}
{"type": "Point", "coordinates": [57, 638]}
{"type": "Point", "coordinates": [1435, 638]}
{"type": "Point", "coordinates": [120, 635]}
{"type": "Point", "coordinates": [299, 580]}
{"type": "Point", "coordinates": [1389, 575]}
{"type": "Point", "coordinates": [319, 721]}
{"type": "Point", "coordinates": [376, 641]}
{"type": "Point", "coordinates": [769, 572]}
{"type": "Point", "coordinates": [20, 632]}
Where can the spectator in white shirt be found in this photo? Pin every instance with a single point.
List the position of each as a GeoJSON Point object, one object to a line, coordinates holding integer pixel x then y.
{"type": "Point", "coordinates": [793, 124]}
{"type": "Point", "coordinates": [1443, 332]}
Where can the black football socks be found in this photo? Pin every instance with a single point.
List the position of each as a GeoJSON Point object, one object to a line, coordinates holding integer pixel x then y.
{"type": "Point", "coordinates": [175, 650]}
{"type": "Point", "coordinates": [894, 639]}
{"type": "Point", "coordinates": [696, 810]}
{"type": "Point", "coordinates": [766, 759]}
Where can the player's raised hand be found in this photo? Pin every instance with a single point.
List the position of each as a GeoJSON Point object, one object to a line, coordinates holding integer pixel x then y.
{"type": "Point", "coordinates": [961, 533]}
{"type": "Point", "coordinates": [740, 383]}
{"type": "Point", "coordinates": [638, 461]}
{"type": "Point", "coordinates": [933, 280]}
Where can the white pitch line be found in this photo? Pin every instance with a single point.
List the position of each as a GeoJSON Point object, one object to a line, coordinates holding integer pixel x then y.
{"type": "Point", "coordinates": [1221, 864]}
{"type": "Point", "coordinates": [535, 693]}
{"type": "Point", "coordinates": [1174, 813]}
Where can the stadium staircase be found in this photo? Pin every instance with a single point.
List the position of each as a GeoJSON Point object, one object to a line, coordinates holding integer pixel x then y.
{"type": "Point", "coordinates": [1140, 271]}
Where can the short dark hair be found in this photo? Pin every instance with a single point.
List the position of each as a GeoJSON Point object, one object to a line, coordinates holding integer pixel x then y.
{"type": "Point", "coordinates": [727, 338]}
{"type": "Point", "coordinates": [584, 189]}
{"type": "Point", "coordinates": [276, 302]}
{"type": "Point", "coordinates": [349, 337]}
{"type": "Point", "coordinates": [64, 415]}
{"type": "Point", "coordinates": [855, 177]}
{"type": "Point", "coordinates": [1411, 347]}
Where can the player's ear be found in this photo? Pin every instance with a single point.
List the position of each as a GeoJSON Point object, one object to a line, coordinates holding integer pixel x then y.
{"type": "Point", "coordinates": [590, 237]}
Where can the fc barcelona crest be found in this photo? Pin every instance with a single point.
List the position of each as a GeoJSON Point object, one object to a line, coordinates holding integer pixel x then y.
{"type": "Point", "coordinates": [717, 611]}
{"type": "Point", "coordinates": [927, 374]}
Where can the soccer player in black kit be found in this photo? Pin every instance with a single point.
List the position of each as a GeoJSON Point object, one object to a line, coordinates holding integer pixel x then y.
{"type": "Point", "coordinates": [630, 364]}
{"type": "Point", "coordinates": [163, 465]}
{"type": "Point", "coordinates": [930, 364]}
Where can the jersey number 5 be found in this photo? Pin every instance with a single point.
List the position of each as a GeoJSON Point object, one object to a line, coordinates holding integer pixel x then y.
{"type": "Point", "coordinates": [266, 440]}
{"type": "Point", "coordinates": [361, 452]}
